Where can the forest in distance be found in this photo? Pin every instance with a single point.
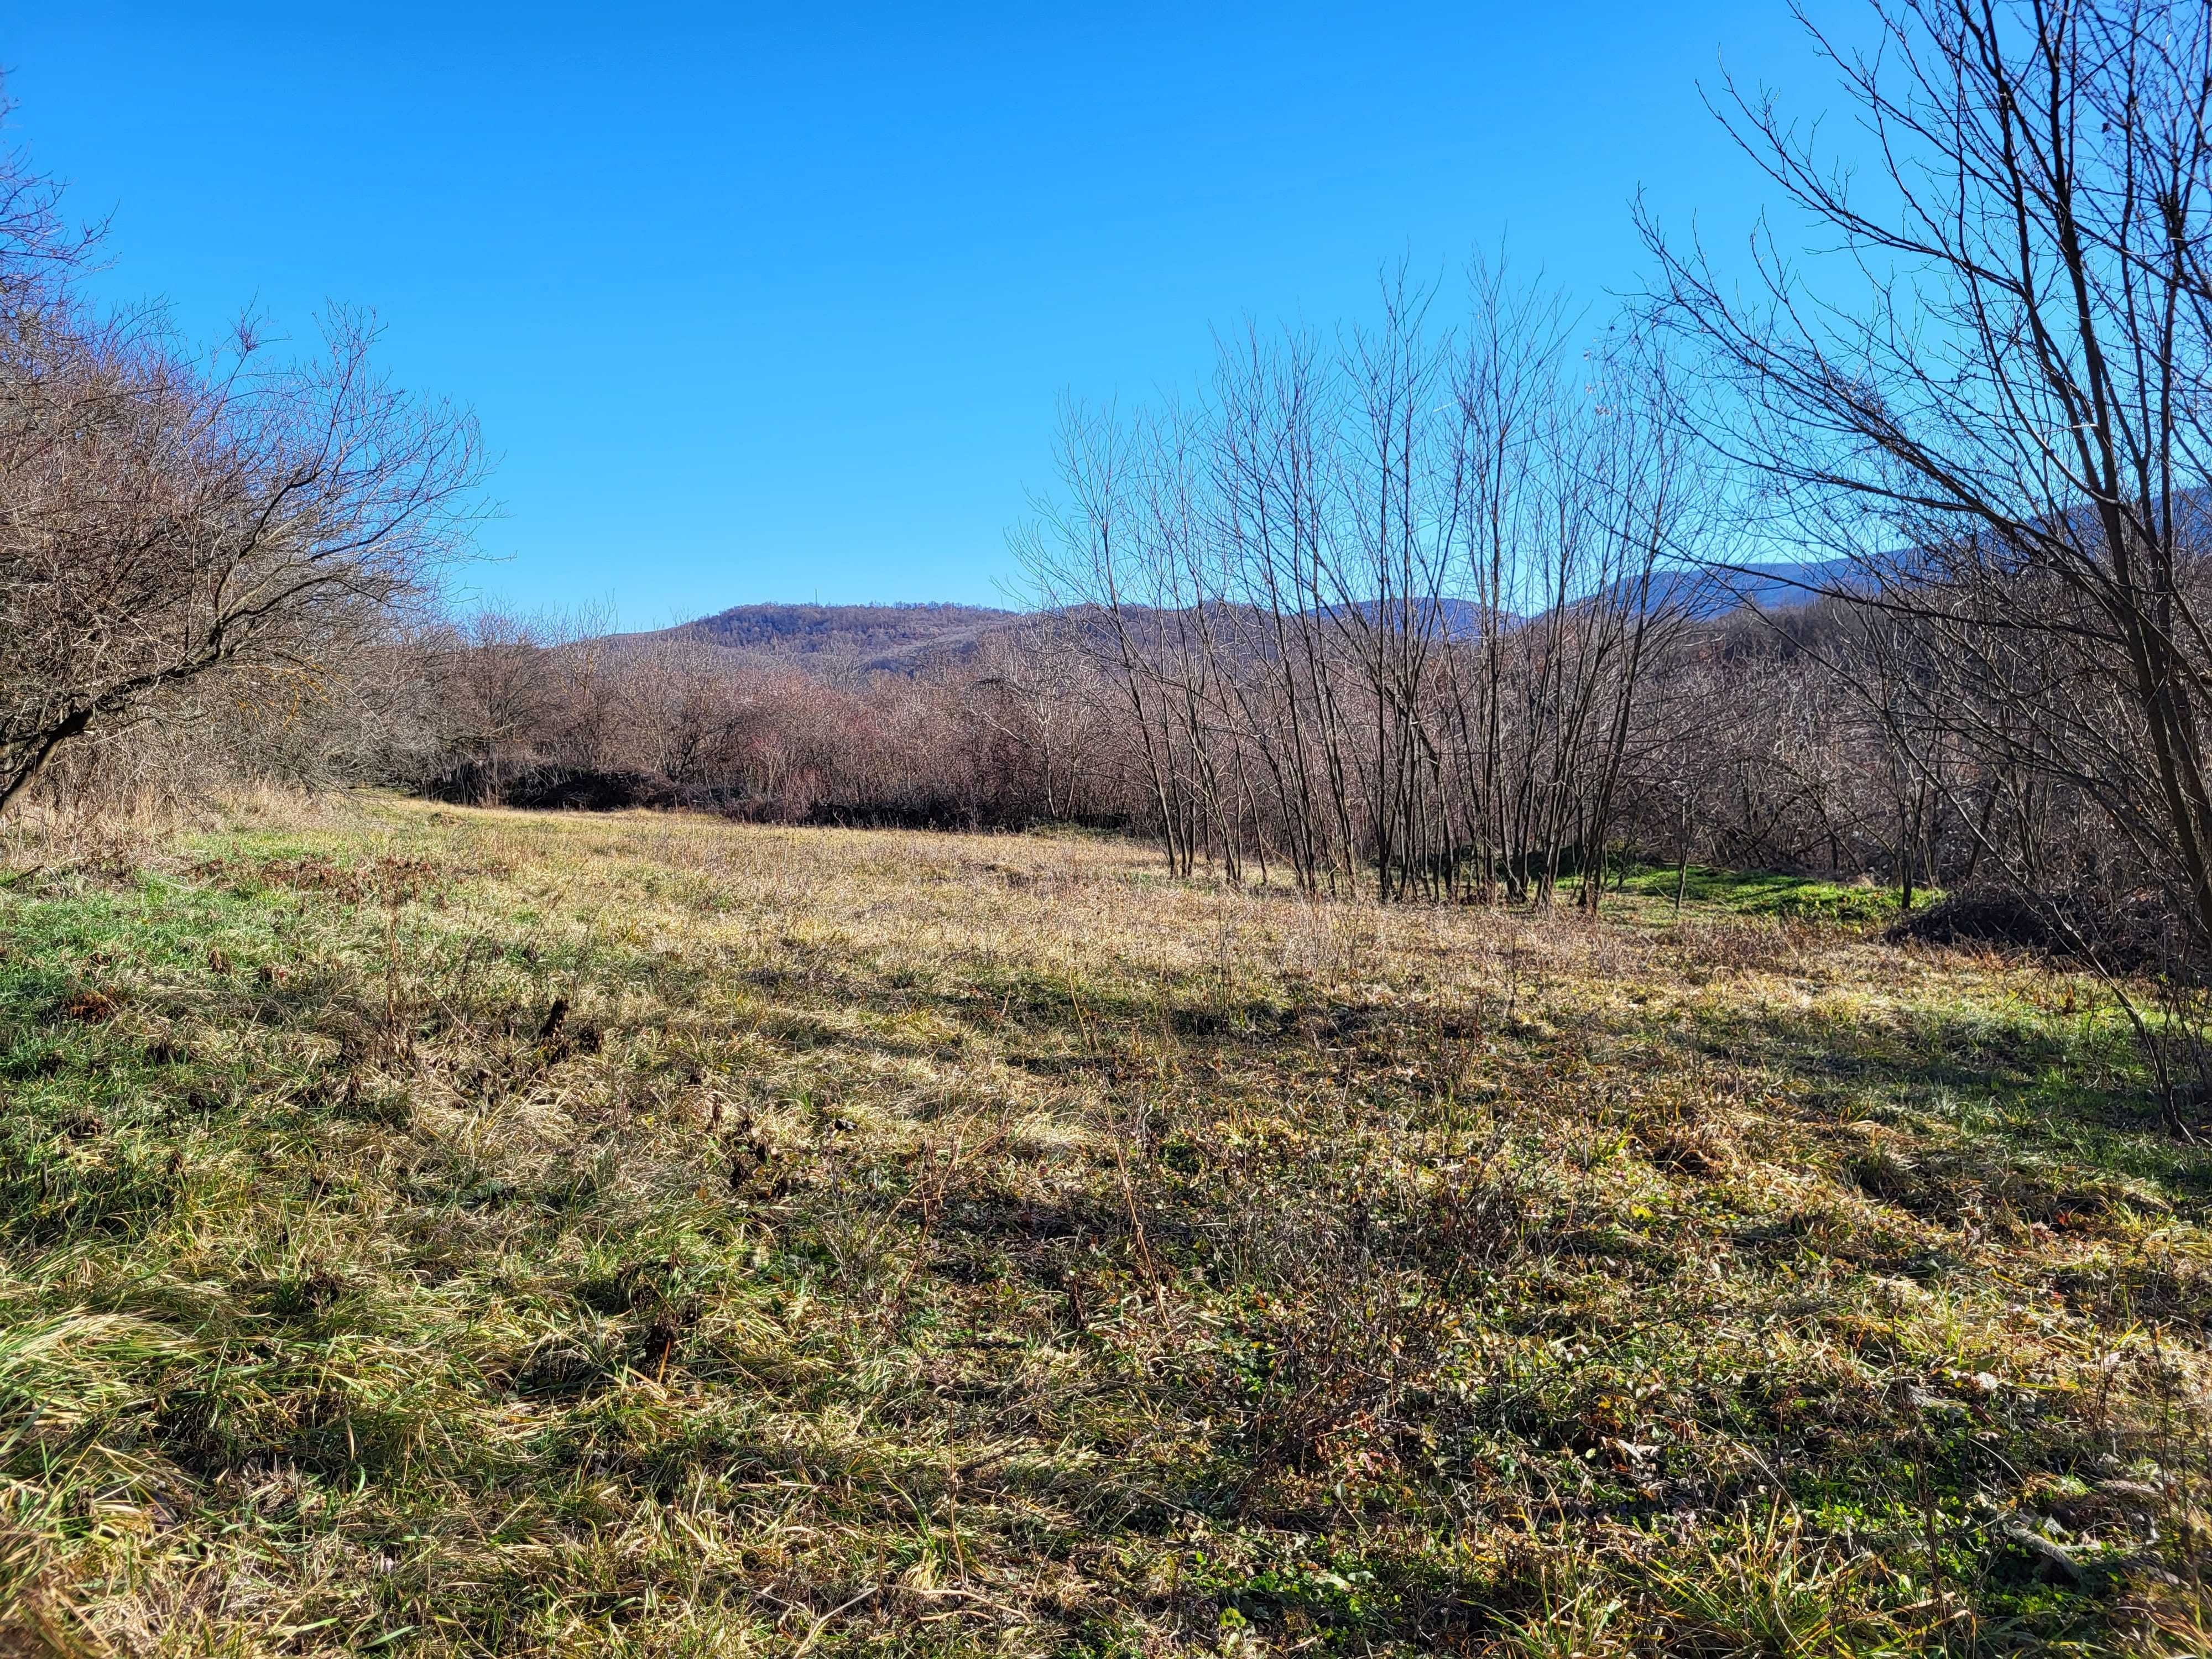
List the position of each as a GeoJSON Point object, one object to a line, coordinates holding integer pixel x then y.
{"type": "Point", "coordinates": [961, 717]}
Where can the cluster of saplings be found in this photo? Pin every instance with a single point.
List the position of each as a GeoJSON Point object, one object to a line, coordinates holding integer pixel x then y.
{"type": "Point", "coordinates": [1403, 611]}
{"type": "Point", "coordinates": [1783, 770]}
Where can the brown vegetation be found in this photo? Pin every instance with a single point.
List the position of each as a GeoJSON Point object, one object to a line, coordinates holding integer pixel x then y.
{"type": "Point", "coordinates": [474, 1233]}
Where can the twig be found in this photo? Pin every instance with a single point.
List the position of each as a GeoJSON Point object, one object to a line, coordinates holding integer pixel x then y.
{"type": "Point", "coordinates": [821, 1623]}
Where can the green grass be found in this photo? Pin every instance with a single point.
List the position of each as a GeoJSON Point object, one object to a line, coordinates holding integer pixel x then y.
{"type": "Point", "coordinates": [1752, 894]}
{"type": "Point", "coordinates": [432, 1232]}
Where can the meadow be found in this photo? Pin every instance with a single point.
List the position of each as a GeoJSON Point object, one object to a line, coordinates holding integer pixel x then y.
{"type": "Point", "coordinates": [431, 1231]}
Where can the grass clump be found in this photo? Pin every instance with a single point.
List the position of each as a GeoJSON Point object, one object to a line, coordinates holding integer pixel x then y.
{"type": "Point", "coordinates": [440, 1233]}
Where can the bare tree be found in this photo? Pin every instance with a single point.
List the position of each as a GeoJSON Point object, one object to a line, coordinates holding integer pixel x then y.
{"type": "Point", "coordinates": [1995, 409]}
{"type": "Point", "coordinates": [1382, 612]}
{"type": "Point", "coordinates": [165, 517]}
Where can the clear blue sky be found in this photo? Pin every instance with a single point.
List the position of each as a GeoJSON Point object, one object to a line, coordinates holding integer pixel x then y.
{"type": "Point", "coordinates": [768, 302]}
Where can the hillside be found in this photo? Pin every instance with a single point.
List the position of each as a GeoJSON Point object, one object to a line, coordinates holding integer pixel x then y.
{"type": "Point", "coordinates": [1707, 594]}
{"type": "Point", "coordinates": [432, 1232]}
{"type": "Point", "coordinates": [840, 639]}
{"type": "Point", "coordinates": [917, 638]}
{"type": "Point", "coordinates": [905, 639]}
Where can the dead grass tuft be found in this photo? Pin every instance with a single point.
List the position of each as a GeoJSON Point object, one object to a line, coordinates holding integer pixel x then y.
{"type": "Point", "coordinates": [449, 1232]}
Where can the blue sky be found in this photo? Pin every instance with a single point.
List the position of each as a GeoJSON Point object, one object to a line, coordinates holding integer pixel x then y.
{"type": "Point", "coordinates": [775, 302]}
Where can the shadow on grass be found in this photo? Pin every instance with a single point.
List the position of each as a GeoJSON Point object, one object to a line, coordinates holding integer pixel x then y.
{"type": "Point", "coordinates": [2021, 1091]}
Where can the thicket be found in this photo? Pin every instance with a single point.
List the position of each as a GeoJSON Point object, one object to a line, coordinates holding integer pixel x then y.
{"type": "Point", "coordinates": [550, 712]}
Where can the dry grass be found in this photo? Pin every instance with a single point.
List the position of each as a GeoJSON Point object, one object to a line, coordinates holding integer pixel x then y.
{"type": "Point", "coordinates": [431, 1231]}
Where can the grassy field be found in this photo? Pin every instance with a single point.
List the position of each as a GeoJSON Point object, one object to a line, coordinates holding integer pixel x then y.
{"type": "Point", "coordinates": [425, 1231]}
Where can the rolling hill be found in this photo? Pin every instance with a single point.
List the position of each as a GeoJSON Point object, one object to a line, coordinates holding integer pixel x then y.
{"type": "Point", "coordinates": [841, 639]}
{"type": "Point", "coordinates": [835, 641]}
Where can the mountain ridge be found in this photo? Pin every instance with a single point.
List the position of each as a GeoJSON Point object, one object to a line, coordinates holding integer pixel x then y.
{"type": "Point", "coordinates": [913, 638]}
{"type": "Point", "coordinates": [860, 639]}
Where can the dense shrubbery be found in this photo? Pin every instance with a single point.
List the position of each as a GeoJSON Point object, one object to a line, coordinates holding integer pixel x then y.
{"type": "Point", "coordinates": [529, 713]}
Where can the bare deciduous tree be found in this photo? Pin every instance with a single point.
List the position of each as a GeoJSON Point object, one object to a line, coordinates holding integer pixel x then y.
{"type": "Point", "coordinates": [1995, 410]}
{"type": "Point", "coordinates": [1382, 614]}
{"type": "Point", "coordinates": [166, 517]}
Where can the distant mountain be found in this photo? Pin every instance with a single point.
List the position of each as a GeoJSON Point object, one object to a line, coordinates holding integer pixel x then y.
{"type": "Point", "coordinates": [842, 639]}
{"type": "Point", "coordinates": [1711, 593]}
{"type": "Point", "coordinates": [1456, 619]}
{"type": "Point", "coordinates": [1705, 594]}
{"type": "Point", "coordinates": [836, 640]}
